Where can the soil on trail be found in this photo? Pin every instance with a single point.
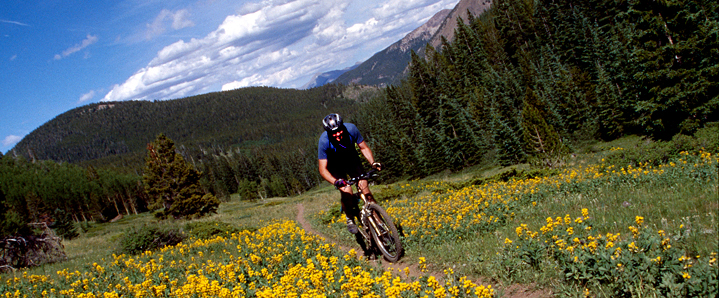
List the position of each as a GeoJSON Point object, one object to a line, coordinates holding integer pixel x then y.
{"type": "Point", "coordinates": [512, 291]}
{"type": "Point", "coordinates": [400, 265]}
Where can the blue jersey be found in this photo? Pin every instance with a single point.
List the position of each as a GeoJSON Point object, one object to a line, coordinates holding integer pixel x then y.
{"type": "Point", "coordinates": [326, 148]}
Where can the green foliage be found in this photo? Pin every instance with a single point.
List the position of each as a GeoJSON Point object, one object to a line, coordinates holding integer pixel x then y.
{"type": "Point", "coordinates": [136, 240]}
{"type": "Point", "coordinates": [64, 226]}
{"type": "Point", "coordinates": [34, 190]}
{"type": "Point", "coordinates": [650, 262]}
{"type": "Point", "coordinates": [172, 184]}
{"type": "Point", "coordinates": [213, 120]}
{"type": "Point", "coordinates": [209, 229]}
{"type": "Point", "coordinates": [556, 71]}
{"type": "Point", "coordinates": [276, 187]}
{"type": "Point", "coordinates": [248, 190]}
{"type": "Point", "coordinates": [193, 206]}
{"type": "Point", "coordinates": [334, 211]}
{"type": "Point", "coordinates": [12, 224]}
{"type": "Point", "coordinates": [657, 152]}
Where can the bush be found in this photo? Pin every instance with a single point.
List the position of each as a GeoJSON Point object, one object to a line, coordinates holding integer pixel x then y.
{"type": "Point", "coordinates": [659, 152]}
{"type": "Point", "coordinates": [64, 226]}
{"type": "Point", "coordinates": [194, 206]}
{"type": "Point", "coordinates": [138, 240]}
{"type": "Point", "coordinates": [248, 190]}
{"type": "Point", "coordinates": [209, 229]}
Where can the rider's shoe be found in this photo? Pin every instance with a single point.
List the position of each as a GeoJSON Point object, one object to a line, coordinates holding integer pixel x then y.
{"type": "Point", "coordinates": [351, 226]}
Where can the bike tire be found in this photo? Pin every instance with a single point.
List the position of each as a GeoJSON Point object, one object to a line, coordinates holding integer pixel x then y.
{"type": "Point", "coordinates": [387, 240]}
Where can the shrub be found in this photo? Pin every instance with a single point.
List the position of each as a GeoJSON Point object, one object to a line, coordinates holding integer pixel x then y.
{"type": "Point", "coordinates": [209, 229]}
{"type": "Point", "coordinates": [64, 225]}
{"type": "Point", "coordinates": [137, 240]}
{"type": "Point", "coordinates": [659, 152]}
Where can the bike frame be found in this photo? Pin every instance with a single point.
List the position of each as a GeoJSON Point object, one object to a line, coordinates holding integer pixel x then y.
{"type": "Point", "coordinates": [377, 226]}
{"type": "Point", "coordinates": [363, 212]}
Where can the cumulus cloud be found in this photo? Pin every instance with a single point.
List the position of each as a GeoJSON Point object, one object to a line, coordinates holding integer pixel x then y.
{"type": "Point", "coordinates": [175, 20]}
{"type": "Point", "coordinates": [90, 39]}
{"type": "Point", "coordinates": [11, 140]}
{"type": "Point", "coordinates": [272, 43]}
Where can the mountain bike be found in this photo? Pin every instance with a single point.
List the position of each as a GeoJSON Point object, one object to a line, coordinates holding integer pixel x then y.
{"type": "Point", "coordinates": [376, 227]}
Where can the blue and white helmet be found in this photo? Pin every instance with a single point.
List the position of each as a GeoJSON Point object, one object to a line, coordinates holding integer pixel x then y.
{"type": "Point", "coordinates": [332, 122]}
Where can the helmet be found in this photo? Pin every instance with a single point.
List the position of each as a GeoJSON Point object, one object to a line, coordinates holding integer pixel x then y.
{"type": "Point", "coordinates": [332, 122]}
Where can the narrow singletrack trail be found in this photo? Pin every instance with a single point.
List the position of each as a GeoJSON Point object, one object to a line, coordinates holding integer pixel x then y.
{"type": "Point", "coordinates": [512, 291]}
{"type": "Point", "coordinates": [400, 265]}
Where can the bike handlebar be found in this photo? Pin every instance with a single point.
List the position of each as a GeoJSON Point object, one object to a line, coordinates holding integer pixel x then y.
{"type": "Point", "coordinates": [365, 176]}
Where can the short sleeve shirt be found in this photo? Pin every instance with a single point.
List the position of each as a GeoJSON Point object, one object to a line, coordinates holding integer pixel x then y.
{"type": "Point", "coordinates": [325, 146]}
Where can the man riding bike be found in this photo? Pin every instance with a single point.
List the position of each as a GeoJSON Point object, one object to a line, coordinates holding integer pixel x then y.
{"type": "Point", "coordinates": [339, 159]}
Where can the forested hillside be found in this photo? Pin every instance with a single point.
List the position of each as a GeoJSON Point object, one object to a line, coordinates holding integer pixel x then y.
{"type": "Point", "coordinates": [221, 119]}
{"type": "Point", "coordinates": [529, 80]}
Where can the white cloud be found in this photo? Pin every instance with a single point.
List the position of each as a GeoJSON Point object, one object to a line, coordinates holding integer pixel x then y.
{"type": "Point", "coordinates": [274, 43]}
{"type": "Point", "coordinates": [175, 20]}
{"type": "Point", "coordinates": [14, 23]}
{"type": "Point", "coordinates": [90, 39]}
{"type": "Point", "coordinates": [87, 96]}
{"type": "Point", "coordinates": [13, 57]}
{"type": "Point", "coordinates": [11, 140]}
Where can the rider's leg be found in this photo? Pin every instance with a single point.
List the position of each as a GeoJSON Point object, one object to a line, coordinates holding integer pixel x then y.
{"type": "Point", "coordinates": [349, 207]}
{"type": "Point", "coordinates": [364, 186]}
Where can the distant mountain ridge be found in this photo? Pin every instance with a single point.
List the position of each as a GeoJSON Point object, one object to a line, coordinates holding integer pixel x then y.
{"type": "Point", "coordinates": [240, 118]}
{"type": "Point", "coordinates": [327, 77]}
{"type": "Point", "coordinates": [446, 29]}
{"type": "Point", "coordinates": [389, 66]}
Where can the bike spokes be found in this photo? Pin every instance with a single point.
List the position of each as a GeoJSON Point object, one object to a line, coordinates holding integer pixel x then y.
{"type": "Point", "coordinates": [384, 233]}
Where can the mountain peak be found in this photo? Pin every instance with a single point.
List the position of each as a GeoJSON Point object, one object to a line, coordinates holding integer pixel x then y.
{"type": "Point", "coordinates": [389, 65]}
{"type": "Point", "coordinates": [424, 32]}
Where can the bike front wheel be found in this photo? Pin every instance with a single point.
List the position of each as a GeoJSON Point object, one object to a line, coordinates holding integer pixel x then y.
{"type": "Point", "coordinates": [384, 233]}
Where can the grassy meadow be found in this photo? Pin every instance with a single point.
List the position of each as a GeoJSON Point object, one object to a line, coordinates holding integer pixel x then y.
{"type": "Point", "coordinates": [627, 218]}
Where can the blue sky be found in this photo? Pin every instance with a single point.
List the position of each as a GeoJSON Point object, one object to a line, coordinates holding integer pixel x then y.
{"type": "Point", "coordinates": [57, 55]}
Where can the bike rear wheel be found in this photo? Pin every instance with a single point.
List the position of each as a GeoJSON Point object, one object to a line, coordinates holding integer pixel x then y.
{"type": "Point", "coordinates": [384, 233]}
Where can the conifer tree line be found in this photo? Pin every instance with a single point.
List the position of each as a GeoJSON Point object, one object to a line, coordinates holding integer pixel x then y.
{"type": "Point", "coordinates": [279, 170]}
{"type": "Point", "coordinates": [62, 193]}
{"type": "Point", "coordinates": [527, 79]}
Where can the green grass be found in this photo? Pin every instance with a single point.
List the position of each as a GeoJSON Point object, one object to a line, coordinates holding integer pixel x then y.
{"type": "Point", "coordinates": [682, 202]}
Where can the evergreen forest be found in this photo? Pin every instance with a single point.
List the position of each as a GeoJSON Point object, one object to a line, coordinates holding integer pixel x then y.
{"type": "Point", "coordinates": [525, 82]}
{"type": "Point", "coordinates": [530, 80]}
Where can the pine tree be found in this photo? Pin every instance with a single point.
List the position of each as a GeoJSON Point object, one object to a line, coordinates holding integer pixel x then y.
{"type": "Point", "coordinates": [540, 138]}
{"type": "Point", "coordinates": [424, 85]}
{"type": "Point", "coordinates": [64, 225]}
{"type": "Point", "coordinates": [506, 140]}
{"type": "Point", "coordinates": [611, 117]}
{"type": "Point", "coordinates": [249, 190]}
{"type": "Point", "coordinates": [172, 184]}
{"type": "Point", "coordinates": [675, 45]}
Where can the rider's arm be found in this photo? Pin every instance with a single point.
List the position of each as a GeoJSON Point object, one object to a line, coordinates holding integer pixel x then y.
{"type": "Point", "coordinates": [325, 173]}
{"type": "Point", "coordinates": [366, 151]}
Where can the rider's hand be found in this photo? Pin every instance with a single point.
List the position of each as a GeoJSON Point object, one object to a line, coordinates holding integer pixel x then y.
{"type": "Point", "coordinates": [340, 183]}
{"type": "Point", "coordinates": [377, 166]}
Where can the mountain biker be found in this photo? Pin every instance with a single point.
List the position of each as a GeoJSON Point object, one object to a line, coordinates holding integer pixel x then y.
{"type": "Point", "coordinates": [338, 159]}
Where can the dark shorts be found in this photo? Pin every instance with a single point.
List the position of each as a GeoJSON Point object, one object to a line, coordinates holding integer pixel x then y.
{"type": "Point", "coordinates": [347, 170]}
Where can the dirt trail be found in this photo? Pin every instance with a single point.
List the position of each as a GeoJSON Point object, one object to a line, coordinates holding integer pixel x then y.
{"type": "Point", "coordinates": [401, 265]}
{"type": "Point", "coordinates": [513, 291]}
